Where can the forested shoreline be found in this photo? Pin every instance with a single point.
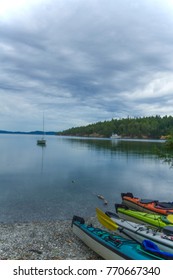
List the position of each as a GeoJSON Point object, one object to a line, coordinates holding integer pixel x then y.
{"type": "Point", "coordinates": [154, 127]}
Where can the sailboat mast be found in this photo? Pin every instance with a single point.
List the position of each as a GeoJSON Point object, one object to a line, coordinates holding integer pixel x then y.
{"type": "Point", "coordinates": [43, 124]}
{"type": "Point", "coordinates": [42, 141]}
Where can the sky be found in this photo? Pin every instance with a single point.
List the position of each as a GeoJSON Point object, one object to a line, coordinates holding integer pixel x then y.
{"type": "Point", "coordinates": [84, 61]}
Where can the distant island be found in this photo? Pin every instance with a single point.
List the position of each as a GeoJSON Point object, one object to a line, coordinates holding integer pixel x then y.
{"type": "Point", "coordinates": [154, 127]}
{"type": "Point", "coordinates": [30, 132]}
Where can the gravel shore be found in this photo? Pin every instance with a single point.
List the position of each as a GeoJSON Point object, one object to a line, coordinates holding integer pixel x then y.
{"type": "Point", "coordinates": [43, 241]}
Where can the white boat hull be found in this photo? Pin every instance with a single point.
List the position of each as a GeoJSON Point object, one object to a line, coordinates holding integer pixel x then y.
{"type": "Point", "coordinates": [140, 232]}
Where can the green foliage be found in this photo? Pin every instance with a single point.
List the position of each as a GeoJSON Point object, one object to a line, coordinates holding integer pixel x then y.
{"type": "Point", "coordinates": [153, 127]}
{"type": "Point", "coordinates": [169, 142]}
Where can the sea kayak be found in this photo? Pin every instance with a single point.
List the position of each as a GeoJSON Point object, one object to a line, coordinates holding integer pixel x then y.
{"type": "Point", "coordinates": [138, 232]}
{"type": "Point", "coordinates": [155, 220]}
{"type": "Point", "coordinates": [114, 247]}
{"type": "Point", "coordinates": [147, 205]}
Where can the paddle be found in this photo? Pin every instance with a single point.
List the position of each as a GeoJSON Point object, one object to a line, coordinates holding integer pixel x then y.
{"type": "Point", "coordinates": [105, 220]}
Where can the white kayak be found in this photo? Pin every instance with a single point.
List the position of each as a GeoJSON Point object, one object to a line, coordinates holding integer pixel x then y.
{"type": "Point", "coordinates": [138, 232]}
{"type": "Point", "coordinates": [114, 247]}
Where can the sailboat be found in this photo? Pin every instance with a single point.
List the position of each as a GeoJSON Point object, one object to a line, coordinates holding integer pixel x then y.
{"type": "Point", "coordinates": [42, 141]}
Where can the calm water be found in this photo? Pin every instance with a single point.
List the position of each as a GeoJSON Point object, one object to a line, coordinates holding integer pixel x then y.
{"type": "Point", "coordinates": [65, 177]}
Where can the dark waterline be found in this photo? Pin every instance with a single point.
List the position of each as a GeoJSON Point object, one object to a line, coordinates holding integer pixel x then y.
{"type": "Point", "coordinates": [64, 178]}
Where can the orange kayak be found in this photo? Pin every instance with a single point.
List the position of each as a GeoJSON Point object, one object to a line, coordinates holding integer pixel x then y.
{"type": "Point", "coordinates": [147, 205]}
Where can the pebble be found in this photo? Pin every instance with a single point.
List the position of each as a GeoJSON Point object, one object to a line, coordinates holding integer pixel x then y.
{"type": "Point", "coordinates": [43, 241]}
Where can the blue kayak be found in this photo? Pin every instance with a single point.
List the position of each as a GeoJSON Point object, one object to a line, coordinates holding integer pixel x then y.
{"type": "Point", "coordinates": [114, 247]}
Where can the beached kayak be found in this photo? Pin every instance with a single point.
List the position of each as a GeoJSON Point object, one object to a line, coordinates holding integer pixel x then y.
{"type": "Point", "coordinates": [138, 232]}
{"type": "Point", "coordinates": [147, 205]}
{"type": "Point", "coordinates": [114, 247]}
{"type": "Point", "coordinates": [155, 220]}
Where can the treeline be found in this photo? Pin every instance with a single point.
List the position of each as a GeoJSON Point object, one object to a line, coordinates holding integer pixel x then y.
{"type": "Point", "coordinates": [154, 127]}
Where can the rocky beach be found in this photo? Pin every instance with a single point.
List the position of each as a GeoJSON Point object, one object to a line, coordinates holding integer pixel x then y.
{"type": "Point", "coordinates": [43, 241]}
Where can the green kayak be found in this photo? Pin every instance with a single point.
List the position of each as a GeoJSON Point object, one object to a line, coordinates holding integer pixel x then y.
{"type": "Point", "coordinates": [155, 220]}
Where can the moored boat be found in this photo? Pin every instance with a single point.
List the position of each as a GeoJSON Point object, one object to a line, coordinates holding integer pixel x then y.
{"type": "Point", "coordinates": [138, 232]}
{"type": "Point", "coordinates": [156, 220]}
{"type": "Point", "coordinates": [147, 205]}
{"type": "Point", "coordinates": [115, 136]}
{"type": "Point", "coordinates": [42, 141]}
{"type": "Point", "coordinates": [114, 247]}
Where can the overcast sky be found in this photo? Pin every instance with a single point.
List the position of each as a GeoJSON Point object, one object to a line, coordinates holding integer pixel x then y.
{"type": "Point", "coordinates": [84, 61]}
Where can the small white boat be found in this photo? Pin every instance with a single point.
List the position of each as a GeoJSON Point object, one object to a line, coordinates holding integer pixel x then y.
{"type": "Point", "coordinates": [115, 136]}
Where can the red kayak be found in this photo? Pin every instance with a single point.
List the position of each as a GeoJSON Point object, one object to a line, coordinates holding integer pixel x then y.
{"type": "Point", "coordinates": [147, 205]}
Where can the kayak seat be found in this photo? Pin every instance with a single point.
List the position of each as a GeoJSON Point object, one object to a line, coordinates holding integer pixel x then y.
{"type": "Point", "coordinates": [150, 246]}
{"type": "Point", "coordinates": [147, 201]}
{"type": "Point", "coordinates": [111, 214]}
{"type": "Point", "coordinates": [168, 230]}
{"type": "Point", "coordinates": [165, 205]}
{"type": "Point", "coordinates": [117, 242]}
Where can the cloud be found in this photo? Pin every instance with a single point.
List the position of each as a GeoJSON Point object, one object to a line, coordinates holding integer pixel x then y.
{"type": "Point", "coordinates": [84, 61]}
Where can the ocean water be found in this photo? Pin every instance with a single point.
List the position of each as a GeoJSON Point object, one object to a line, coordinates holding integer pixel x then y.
{"type": "Point", "coordinates": [64, 178]}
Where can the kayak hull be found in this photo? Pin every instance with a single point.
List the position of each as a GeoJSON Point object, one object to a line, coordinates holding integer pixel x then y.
{"type": "Point", "coordinates": [140, 232]}
{"type": "Point", "coordinates": [155, 220]}
{"type": "Point", "coordinates": [110, 246]}
{"type": "Point", "coordinates": [147, 205]}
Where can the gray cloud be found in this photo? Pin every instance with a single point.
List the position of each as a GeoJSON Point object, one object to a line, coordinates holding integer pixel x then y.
{"type": "Point", "coordinates": [85, 61]}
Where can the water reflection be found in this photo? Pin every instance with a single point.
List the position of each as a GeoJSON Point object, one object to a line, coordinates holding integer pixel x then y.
{"type": "Point", "coordinates": [42, 149]}
{"type": "Point", "coordinates": [138, 147]}
{"type": "Point", "coordinates": [65, 177]}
